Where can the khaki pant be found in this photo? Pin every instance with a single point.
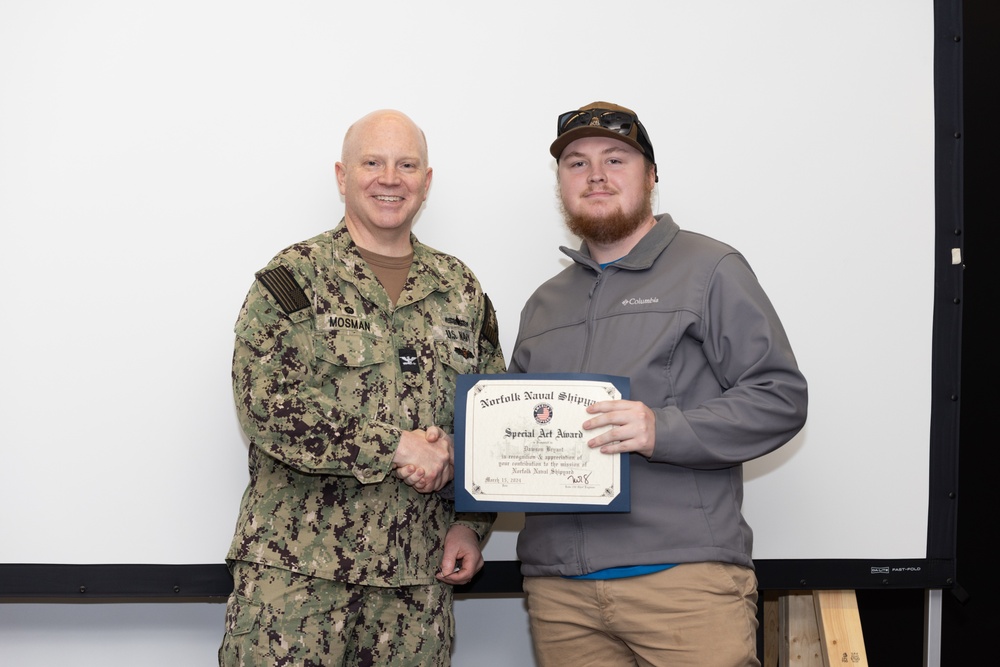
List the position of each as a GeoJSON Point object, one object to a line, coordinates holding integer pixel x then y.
{"type": "Point", "coordinates": [277, 617]}
{"type": "Point", "coordinates": [691, 615]}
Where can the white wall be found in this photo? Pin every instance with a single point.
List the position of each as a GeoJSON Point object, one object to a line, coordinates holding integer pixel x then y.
{"type": "Point", "coordinates": [154, 154]}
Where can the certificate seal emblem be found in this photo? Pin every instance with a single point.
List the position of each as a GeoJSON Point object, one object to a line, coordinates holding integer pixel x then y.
{"type": "Point", "coordinates": [542, 413]}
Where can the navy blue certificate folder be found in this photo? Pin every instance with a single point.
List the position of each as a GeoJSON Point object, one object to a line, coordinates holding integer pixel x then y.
{"type": "Point", "coordinates": [520, 446]}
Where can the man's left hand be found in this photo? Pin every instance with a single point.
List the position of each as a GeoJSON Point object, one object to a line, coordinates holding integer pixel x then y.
{"type": "Point", "coordinates": [462, 557]}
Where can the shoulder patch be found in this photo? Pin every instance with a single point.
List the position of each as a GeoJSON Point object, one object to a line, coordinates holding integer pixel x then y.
{"type": "Point", "coordinates": [280, 282]}
{"type": "Point", "coordinates": [490, 331]}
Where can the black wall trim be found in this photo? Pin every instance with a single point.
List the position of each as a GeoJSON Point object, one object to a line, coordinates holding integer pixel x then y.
{"type": "Point", "coordinates": [184, 583]}
{"type": "Point", "coordinates": [946, 361]}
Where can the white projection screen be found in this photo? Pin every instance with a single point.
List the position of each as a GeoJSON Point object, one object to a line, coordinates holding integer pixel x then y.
{"type": "Point", "coordinates": [154, 155]}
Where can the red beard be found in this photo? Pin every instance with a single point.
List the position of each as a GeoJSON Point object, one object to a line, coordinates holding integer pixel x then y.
{"type": "Point", "coordinates": [609, 228]}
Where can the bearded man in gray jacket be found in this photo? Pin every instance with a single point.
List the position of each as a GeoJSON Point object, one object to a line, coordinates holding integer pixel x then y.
{"type": "Point", "coordinates": [713, 383]}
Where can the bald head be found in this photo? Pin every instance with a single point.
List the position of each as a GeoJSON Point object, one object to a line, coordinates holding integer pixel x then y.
{"type": "Point", "coordinates": [379, 122]}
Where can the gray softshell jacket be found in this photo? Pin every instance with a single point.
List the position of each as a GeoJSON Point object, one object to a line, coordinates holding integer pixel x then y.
{"type": "Point", "coordinates": [685, 319]}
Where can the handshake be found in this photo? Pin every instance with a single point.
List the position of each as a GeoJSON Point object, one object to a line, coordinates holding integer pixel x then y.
{"type": "Point", "coordinates": [425, 460]}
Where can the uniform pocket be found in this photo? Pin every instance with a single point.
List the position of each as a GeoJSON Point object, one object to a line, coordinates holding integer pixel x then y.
{"type": "Point", "coordinates": [350, 349]}
{"type": "Point", "coordinates": [242, 615]}
{"type": "Point", "coordinates": [239, 646]}
{"type": "Point", "coordinates": [459, 357]}
{"type": "Point", "coordinates": [451, 360]}
{"type": "Point", "coordinates": [351, 369]}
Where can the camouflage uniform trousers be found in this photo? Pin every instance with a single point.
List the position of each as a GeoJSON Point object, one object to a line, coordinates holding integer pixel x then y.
{"type": "Point", "coordinates": [278, 617]}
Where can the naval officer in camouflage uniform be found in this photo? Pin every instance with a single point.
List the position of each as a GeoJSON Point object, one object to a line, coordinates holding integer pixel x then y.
{"type": "Point", "coordinates": [347, 351]}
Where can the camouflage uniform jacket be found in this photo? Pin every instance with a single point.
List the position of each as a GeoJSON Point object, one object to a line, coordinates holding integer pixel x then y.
{"type": "Point", "coordinates": [326, 375]}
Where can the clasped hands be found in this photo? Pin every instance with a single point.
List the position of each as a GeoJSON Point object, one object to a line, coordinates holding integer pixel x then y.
{"type": "Point", "coordinates": [425, 460]}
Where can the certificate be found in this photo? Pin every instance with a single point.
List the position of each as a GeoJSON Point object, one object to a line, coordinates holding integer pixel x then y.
{"type": "Point", "coordinates": [520, 445]}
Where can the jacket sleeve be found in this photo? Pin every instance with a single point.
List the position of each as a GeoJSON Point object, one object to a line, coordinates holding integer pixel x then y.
{"type": "Point", "coordinates": [281, 407]}
{"type": "Point", "coordinates": [763, 395]}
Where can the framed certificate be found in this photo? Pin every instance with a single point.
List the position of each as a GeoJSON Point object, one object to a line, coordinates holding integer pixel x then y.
{"type": "Point", "coordinates": [520, 444]}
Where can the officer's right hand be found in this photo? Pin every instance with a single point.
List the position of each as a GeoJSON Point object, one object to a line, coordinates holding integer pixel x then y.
{"type": "Point", "coordinates": [425, 459]}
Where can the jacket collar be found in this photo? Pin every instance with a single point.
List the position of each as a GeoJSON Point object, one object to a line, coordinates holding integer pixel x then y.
{"type": "Point", "coordinates": [431, 269]}
{"type": "Point", "coordinates": [642, 255]}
